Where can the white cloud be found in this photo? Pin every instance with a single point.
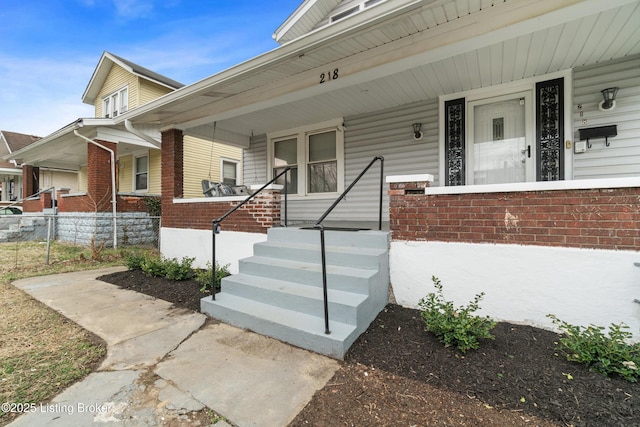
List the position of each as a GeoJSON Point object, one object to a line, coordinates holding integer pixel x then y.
{"type": "Point", "coordinates": [44, 95]}
{"type": "Point", "coordinates": [133, 9]}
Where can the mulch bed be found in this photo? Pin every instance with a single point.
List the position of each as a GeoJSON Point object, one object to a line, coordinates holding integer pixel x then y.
{"type": "Point", "coordinates": [398, 374]}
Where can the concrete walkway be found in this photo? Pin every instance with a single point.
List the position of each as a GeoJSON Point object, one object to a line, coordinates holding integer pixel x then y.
{"type": "Point", "coordinates": [163, 363]}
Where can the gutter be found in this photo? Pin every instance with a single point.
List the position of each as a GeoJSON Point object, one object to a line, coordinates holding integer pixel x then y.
{"type": "Point", "coordinates": [129, 126]}
{"type": "Point", "coordinates": [113, 183]}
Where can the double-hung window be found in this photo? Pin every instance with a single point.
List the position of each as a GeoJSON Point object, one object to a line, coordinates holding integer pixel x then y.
{"type": "Point", "coordinates": [115, 103]}
{"type": "Point", "coordinates": [141, 177]}
{"type": "Point", "coordinates": [229, 172]}
{"type": "Point", "coordinates": [315, 156]}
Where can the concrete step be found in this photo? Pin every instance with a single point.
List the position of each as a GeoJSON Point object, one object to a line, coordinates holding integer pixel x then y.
{"type": "Point", "coordinates": [293, 327]}
{"type": "Point", "coordinates": [351, 239]}
{"type": "Point", "coordinates": [338, 277]}
{"type": "Point", "coordinates": [310, 252]}
{"type": "Point", "coordinates": [343, 306]}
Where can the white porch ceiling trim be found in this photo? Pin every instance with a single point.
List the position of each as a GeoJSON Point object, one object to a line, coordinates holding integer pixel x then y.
{"type": "Point", "coordinates": [444, 41]}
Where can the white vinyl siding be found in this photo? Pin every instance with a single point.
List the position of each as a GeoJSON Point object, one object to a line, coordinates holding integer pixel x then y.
{"type": "Point", "coordinates": [385, 133]}
{"type": "Point", "coordinates": [254, 161]}
{"type": "Point", "coordinates": [622, 157]}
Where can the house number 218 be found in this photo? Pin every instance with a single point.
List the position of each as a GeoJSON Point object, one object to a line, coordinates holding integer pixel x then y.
{"type": "Point", "coordinates": [331, 75]}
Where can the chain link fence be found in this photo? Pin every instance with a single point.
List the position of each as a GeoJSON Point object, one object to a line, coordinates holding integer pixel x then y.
{"type": "Point", "coordinates": [31, 239]}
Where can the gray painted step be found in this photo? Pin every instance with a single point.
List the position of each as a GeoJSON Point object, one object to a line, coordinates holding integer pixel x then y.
{"type": "Point", "coordinates": [338, 277]}
{"type": "Point", "coordinates": [310, 252]}
{"type": "Point", "coordinates": [343, 306]}
{"type": "Point", "coordinates": [293, 327]}
{"type": "Point", "coordinates": [278, 291]}
{"type": "Point", "coordinates": [359, 239]}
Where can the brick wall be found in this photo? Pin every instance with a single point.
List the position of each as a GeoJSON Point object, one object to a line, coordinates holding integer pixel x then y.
{"type": "Point", "coordinates": [99, 176]}
{"type": "Point", "coordinates": [257, 216]}
{"type": "Point", "coordinates": [599, 218]}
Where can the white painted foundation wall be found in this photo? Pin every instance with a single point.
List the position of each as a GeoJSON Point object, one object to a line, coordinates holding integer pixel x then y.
{"type": "Point", "coordinates": [231, 246]}
{"type": "Point", "coordinates": [523, 284]}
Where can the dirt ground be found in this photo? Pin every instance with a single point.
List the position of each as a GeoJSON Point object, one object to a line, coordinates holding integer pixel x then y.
{"type": "Point", "coordinates": [396, 374]}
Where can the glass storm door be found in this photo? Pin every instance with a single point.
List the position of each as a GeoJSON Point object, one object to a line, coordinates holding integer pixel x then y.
{"type": "Point", "coordinates": [500, 143]}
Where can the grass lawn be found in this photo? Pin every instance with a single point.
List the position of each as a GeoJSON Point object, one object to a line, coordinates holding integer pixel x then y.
{"type": "Point", "coordinates": [42, 352]}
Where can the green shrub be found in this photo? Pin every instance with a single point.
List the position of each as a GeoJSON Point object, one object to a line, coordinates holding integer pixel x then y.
{"type": "Point", "coordinates": [178, 270]}
{"type": "Point", "coordinates": [153, 266]}
{"type": "Point", "coordinates": [606, 354]}
{"type": "Point", "coordinates": [204, 276]}
{"type": "Point", "coordinates": [133, 260]}
{"type": "Point", "coordinates": [454, 326]}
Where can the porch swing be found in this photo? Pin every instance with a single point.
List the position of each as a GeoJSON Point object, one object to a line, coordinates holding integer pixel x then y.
{"type": "Point", "coordinates": [212, 188]}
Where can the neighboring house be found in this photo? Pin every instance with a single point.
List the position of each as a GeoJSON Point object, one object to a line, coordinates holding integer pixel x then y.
{"type": "Point", "coordinates": [11, 171]}
{"type": "Point", "coordinates": [116, 87]}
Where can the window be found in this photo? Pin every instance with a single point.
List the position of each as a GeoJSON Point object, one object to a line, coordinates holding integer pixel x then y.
{"type": "Point", "coordinates": [141, 180]}
{"type": "Point", "coordinates": [322, 163]}
{"type": "Point", "coordinates": [230, 172]}
{"type": "Point", "coordinates": [286, 154]}
{"type": "Point", "coordinates": [116, 103]}
{"type": "Point", "coordinates": [315, 156]}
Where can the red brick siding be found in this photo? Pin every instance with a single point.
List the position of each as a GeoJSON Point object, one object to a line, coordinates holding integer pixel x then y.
{"type": "Point", "coordinates": [99, 177]}
{"type": "Point", "coordinates": [257, 216]}
{"type": "Point", "coordinates": [602, 218]}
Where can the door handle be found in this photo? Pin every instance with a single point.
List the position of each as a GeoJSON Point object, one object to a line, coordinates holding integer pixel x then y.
{"type": "Point", "coordinates": [527, 151]}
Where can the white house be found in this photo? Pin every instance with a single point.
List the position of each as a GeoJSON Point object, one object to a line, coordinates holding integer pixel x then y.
{"type": "Point", "coordinates": [508, 168]}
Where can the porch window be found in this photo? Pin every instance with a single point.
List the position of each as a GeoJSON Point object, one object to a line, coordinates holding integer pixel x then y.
{"type": "Point", "coordinates": [229, 172]}
{"type": "Point", "coordinates": [323, 164]}
{"type": "Point", "coordinates": [286, 154]}
{"type": "Point", "coordinates": [142, 173]}
{"type": "Point", "coordinates": [315, 155]}
{"type": "Point", "coordinates": [115, 103]}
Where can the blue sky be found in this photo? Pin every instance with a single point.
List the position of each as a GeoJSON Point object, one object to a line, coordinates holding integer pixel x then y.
{"type": "Point", "coordinates": [50, 48]}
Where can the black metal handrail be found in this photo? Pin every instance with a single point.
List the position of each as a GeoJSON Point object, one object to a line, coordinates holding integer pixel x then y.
{"type": "Point", "coordinates": [318, 225]}
{"type": "Point", "coordinates": [215, 224]}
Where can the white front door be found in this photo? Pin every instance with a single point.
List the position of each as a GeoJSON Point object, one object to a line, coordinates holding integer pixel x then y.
{"type": "Point", "coordinates": [500, 148]}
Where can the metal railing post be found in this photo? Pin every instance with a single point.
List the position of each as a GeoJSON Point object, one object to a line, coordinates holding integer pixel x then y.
{"type": "Point", "coordinates": [381, 186]}
{"type": "Point", "coordinates": [318, 226]}
{"type": "Point", "coordinates": [324, 281]}
{"type": "Point", "coordinates": [215, 225]}
{"type": "Point", "coordinates": [215, 229]}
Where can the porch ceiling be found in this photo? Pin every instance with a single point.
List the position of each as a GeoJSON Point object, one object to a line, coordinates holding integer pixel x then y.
{"type": "Point", "coordinates": [65, 150]}
{"type": "Point", "coordinates": [401, 55]}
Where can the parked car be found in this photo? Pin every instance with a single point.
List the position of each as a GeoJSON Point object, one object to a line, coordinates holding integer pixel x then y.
{"type": "Point", "coordinates": [10, 210]}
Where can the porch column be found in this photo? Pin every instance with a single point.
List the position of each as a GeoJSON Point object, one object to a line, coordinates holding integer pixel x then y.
{"type": "Point", "coordinates": [30, 180]}
{"type": "Point", "coordinates": [407, 204]}
{"type": "Point", "coordinates": [172, 165]}
{"type": "Point", "coordinates": [99, 175]}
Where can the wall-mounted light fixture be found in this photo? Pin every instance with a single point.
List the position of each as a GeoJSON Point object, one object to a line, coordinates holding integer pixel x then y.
{"type": "Point", "coordinates": [417, 131]}
{"type": "Point", "coordinates": [609, 99]}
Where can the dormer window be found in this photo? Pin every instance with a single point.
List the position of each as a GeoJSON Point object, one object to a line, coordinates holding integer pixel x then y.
{"type": "Point", "coordinates": [116, 103]}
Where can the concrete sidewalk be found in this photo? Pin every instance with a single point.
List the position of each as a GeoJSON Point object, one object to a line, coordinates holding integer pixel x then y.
{"type": "Point", "coordinates": [163, 363]}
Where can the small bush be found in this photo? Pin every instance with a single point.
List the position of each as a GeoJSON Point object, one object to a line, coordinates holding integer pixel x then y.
{"type": "Point", "coordinates": [153, 266]}
{"type": "Point", "coordinates": [133, 260]}
{"type": "Point", "coordinates": [454, 326]}
{"type": "Point", "coordinates": [178, 270]}
{"type": "Point", "coordinates": [606, 354]}
{"type": "Point", "coordinates": [205, 276]}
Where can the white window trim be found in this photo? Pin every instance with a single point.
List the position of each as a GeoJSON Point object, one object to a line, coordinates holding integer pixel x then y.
{"type": "Point", "coordinates": [107, 99]}
{"type": "Point", "coordinates": [301, 133]}
{"type": "Point", "coordinates": [134, 172]}
{"type": "Point", "coordinates": [523, 85]}
{"type": "Point", "coordinates": [234, 161]}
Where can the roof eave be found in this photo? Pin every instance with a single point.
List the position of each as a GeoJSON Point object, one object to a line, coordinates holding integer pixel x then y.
{"type": "Point", "coordinates": [280, 54]}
